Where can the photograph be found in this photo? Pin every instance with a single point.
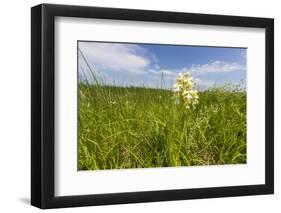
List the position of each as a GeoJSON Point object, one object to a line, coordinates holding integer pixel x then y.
{"type": "Point", "coordinates": [139, 105]}
{"type": "Point", "coordinates": [160, 105]}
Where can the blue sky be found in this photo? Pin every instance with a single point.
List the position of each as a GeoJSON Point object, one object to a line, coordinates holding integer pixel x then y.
{"type": "Point", "coordinates": [125, 64]}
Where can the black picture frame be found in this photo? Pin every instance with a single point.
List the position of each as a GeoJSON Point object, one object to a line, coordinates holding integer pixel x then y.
{"type": "Point", "coordinates": [43, 105]}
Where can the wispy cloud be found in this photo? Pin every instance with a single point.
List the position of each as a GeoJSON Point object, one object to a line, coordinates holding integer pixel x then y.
{"type": "Point", "coordinates": [214, 67]}
{"type": "Point", "coordinates": [115, 56]}
{"type": "Point", "coordinates": [203, 84]}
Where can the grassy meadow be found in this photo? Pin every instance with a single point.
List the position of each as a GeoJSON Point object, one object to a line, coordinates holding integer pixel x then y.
{"type": "Point", "coordinates": [136, 127]}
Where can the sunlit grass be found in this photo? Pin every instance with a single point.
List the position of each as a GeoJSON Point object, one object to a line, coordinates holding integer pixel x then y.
{"type": "Point", "coordinates": [130, 127]}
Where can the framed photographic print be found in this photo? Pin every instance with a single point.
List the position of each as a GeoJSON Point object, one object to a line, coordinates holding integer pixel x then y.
{"type": "Point", "coordinates": [139, 106]}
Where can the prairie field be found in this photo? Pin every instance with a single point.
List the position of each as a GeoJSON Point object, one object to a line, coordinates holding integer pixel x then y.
{"type": "Point", "coordinates": [138, 127]}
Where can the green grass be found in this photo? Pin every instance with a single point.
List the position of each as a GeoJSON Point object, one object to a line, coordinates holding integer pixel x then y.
{"type": "Point", "coordinates": [140, 128]}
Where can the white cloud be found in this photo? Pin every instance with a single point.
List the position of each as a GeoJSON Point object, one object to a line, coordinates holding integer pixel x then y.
{"type": "Point", "coordinates": [203, 84]}
{"type": "Point", "coordinates": [214, 67]}
{"type": "Point", "coordinates": [115, 56]}
{"type": "Point", "coordinates": [165, 72]}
